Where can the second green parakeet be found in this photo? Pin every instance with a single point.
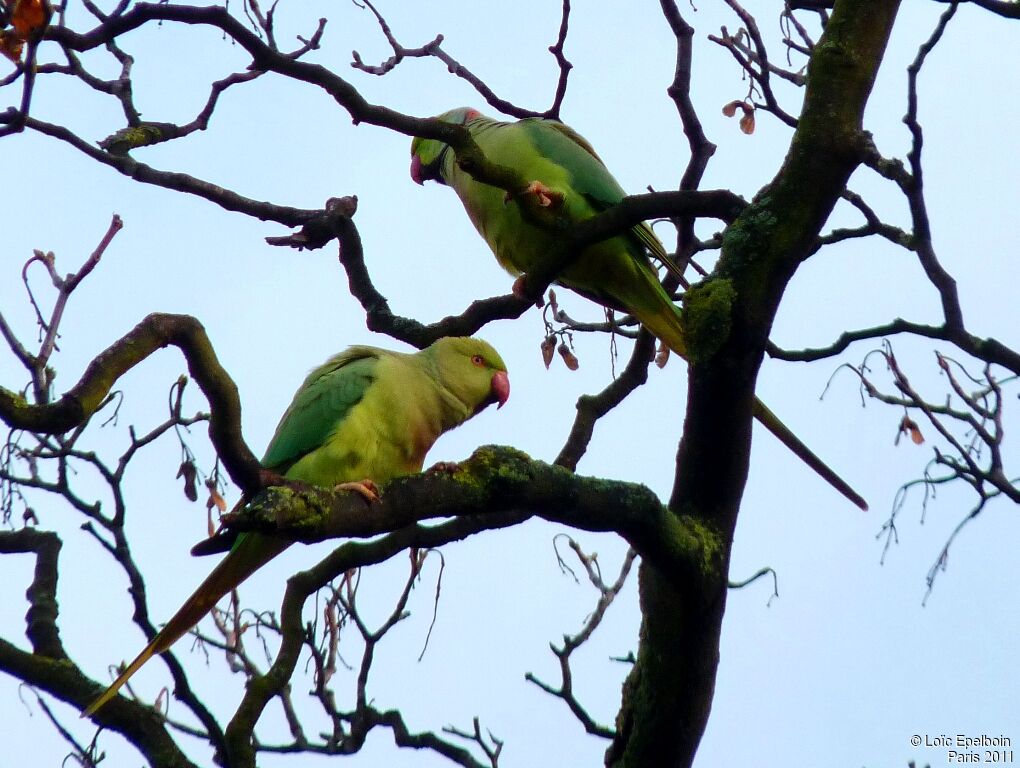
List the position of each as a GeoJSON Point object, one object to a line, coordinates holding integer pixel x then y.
{"type": "Point", "coordinates": [564, 174]}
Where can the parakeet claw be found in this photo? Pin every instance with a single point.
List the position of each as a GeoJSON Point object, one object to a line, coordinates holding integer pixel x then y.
{"type": "Point", "coordinates": [448, 467]}
{"type": "Point", "coordinates": [365, 487]}
{"type": "Point", "coordinates": [518, 287]}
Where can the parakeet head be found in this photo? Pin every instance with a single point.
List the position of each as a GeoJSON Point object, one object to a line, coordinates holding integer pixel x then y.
{"type": "Point", "coordinates": [427, 155]}
{"type": "Point", "coordinates": [471, 370]}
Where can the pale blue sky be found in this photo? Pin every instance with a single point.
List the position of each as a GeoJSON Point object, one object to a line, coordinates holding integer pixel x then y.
{"type": "Point", "coordinates": [841, 670]}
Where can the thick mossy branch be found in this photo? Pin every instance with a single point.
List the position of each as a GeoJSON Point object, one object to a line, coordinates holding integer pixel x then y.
{"type": "Point", "coordinates": [668, 695]}
{"type": "Point", "coordinates": [495, 488]}
{"type": "Point", "coordinates": [762, 249]}
{"type": "Point", "coordinates": [142, 135]}
{"type": "Point", "coordinates": [494, 481]}
{"type": "Point", "coordinates": [156, 331]}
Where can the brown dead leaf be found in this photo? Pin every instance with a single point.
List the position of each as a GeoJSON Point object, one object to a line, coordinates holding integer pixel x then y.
{"type": "Point", "coordinates": [215, 500]}
{"type": "Point", "coordinates": [189, 472]}
{"type": "Point", "coordinates": [909, 427]}
{"type": "Point", "coordinates": [662, 356]}
{"type": "Point", "coordinates": [747, 119]}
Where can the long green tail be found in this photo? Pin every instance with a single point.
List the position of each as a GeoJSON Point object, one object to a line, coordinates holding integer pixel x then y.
{"type": "Point", "coordinates": [251, 552]}
{"type": "Point", "coordinates": [668, 330]}
{"type": "Point", "coordinates": [771, 422]}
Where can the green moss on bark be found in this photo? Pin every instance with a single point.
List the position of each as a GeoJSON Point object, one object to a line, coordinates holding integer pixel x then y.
{"type": "Point", "coordinates": [707, 318]}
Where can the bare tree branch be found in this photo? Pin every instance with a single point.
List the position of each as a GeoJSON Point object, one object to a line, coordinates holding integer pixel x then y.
{"type": "Point", "coordinates": [607, 594]}
{"type": "Point", "coordinates": [78, 404]}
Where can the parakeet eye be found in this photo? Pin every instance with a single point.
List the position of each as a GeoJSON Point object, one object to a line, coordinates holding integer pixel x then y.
{"type": "Point", "coordinates": [478, 360]}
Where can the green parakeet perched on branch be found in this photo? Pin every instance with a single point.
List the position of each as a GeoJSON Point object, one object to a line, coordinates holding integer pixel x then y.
{"type": "Point", "coordinates": [563, 173]}
{"type": "Point", "coordinates": [365, 416]}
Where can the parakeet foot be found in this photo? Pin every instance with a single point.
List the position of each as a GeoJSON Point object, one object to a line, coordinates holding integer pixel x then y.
{"type": "Point", "coordinates": [518, 290]}
{"type": "Point", "coordinates": [365, 487]}
{"type": "Point", "coordinates": [546, 197]}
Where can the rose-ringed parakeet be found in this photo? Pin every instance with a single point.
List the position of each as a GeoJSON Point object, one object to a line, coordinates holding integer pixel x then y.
{"type": "Point", "coordinates": [564, 175]}
{"type": "Point", "coordinates": [365, 416]}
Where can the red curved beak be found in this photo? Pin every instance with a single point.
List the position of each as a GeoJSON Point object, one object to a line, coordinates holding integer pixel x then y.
{"type": "Point", "coordinates": [501, 387]}
{"type": "Point", "coordinates": [416, 170]}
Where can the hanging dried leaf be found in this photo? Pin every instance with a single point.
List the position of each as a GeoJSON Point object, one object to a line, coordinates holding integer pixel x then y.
{"type": "Point", "coordinates": [548, 347]}
{"type": "Point", "coordinates": [214, 500]}
{"type": "Point", "coordinates": [189, 472]}
{"type": "Point", "coordinates": [909, 427]}
{"type": "Point", "coordinates": [552, 302]}
{"type": "Point", "coordinates": [747, 122]}
{"type": "Point", "coordinates": [568, 357]}
{"type": "Point", "coordinates": [662, 356]}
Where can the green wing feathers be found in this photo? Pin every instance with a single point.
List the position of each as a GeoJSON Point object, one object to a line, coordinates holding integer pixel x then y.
{"type": "Point", "coordinates": [320, 405]}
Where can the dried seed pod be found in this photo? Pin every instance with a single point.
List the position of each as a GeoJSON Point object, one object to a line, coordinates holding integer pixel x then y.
{"type": "Point", "coordinates": [548, 347]}
{"type": "Point", "coordinates": [568, 357]}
